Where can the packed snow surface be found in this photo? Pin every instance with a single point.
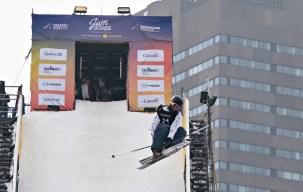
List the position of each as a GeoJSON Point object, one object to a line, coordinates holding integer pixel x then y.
{"type": "Point", "coordinates": [71, 151]}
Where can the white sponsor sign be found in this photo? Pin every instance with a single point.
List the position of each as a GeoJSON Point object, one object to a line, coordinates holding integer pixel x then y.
{"type": "Point", "coordinates": [52, 69]}
{"type": "Point", "coordinates": [51, 84]}
{"type": "Point", "coordinates": [53, 54]}
{"type": "Point", "coordinates": [150, 71]}
{"type": "Point", "coordinates": [150, 85]}
{"type": "Point", "coordinates": [51, 99]}
{"type": "Point", "coordinates": [153, 55]}
{"type": "Point", "coordinates": [150, 100]}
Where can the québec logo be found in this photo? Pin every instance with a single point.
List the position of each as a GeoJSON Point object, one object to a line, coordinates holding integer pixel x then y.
{"type": "Point", "coordinates": [150, 70]}
{"type": "Point", "coordinates": [50, 68]}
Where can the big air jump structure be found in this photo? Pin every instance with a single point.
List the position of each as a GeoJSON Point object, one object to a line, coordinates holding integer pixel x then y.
{"type": "Point", "coordinates": [133, 54]}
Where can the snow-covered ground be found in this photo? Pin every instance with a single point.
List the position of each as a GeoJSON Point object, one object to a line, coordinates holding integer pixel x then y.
{"type": "Point", "coordinates": [71, 151]}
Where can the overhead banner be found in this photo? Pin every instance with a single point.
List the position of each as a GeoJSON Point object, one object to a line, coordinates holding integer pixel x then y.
{"type": "Point", "coordinates": [101, 28]}
{"type": "Point", "coordinates": [149, 78]}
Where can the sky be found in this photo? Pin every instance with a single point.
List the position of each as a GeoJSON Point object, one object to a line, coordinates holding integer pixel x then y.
{"type": "Point", "coordinates": [71, 151]}
{"type": "Point", "coordinates": [16, 31]}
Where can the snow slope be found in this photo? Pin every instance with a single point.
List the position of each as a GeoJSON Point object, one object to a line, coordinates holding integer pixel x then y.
{"type": "Point", "coordinates": [70, 151]}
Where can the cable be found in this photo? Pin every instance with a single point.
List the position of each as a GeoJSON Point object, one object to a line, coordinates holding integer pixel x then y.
{"type": "Point", "coordinates": [26, 57]}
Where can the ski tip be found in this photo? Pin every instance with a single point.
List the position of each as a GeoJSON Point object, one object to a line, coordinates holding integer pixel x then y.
{"type": "Point", "coordinates": [141, 167]}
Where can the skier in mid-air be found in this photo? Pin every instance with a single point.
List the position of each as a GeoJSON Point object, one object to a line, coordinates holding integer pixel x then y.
{"type": "Point", "coordinates": [166, 127]}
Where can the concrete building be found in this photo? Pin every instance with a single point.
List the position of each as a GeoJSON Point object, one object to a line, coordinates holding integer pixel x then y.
{"type": "Point", "coordinates": [250, 54]}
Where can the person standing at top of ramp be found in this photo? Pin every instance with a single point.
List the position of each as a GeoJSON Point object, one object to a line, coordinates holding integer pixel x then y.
{"type": "Point", "coordinates": [103, 93]}
{"type": "Point", "coordinates": [166, 127]}
{"type": "Point", "coordinates": [84, 89]}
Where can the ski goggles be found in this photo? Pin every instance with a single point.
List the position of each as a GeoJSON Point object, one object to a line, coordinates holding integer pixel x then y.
{"type": "Point", "coordinates": [175, 106]}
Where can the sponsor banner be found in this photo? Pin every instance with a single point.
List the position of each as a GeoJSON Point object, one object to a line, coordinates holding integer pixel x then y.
{"type": "Point", "coordinates": [150, 70]}
{"type": "Point", "coordinates": [52, 69]}
{"type": "Point", "coordinates": [150, 86]}
{"type": "Point", "coordinates": [150, 55]}
{"type": "Point", "coordinates": [152, 79]}
{"type": "Point", "coordinates": [51, 79]}
{"type": "Point", "coordinates": [51, 84]}
{"type": "Point", "coordinates": [51, 99]}
{"type": "Point", "coordinates": [150, 100]}
{"type": "Point", "coordinates": [53, 54]}
{"type": "Point", "coordinates": [101, 28]}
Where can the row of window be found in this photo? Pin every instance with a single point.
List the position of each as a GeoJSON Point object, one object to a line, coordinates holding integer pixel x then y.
{"type": "Point", "coordinates": [242, 126]}
{"type": "Point", "coordinates": [189, 5]}
{"type": "Point", "coordinates": [289, 154]}
{"type": "Point", "coordinates": [289, 91]}
{"type": "Point", "coordinates": [290, 175]}
{"type": "Point", "coordinates": [249, 105]}
{"type": "Point", "coordinates": [261, 107]}
{"type": "Point", "coordinates": [290, 70]}
{"type": "Point", "coordinates": [289, 133]}
{"type": "Point", "coordinates": [222, 60]}
{"type": "Point", "coordinates": [289, 112]}
{"type": "Point", "coordinates": [246, 105]}
{"type": "Point", "coordinates": [239, 188]}
{"type": "Point", "coordinates": [244, 84]}
{"type": "Point", "coordinates": [258, 170]}
{"type": "Point", "coordinates": [237, 41]}
{"type": "Point", "coordinates": [242, 147]}
{"type": "Point", "coordinates": [272, 3]}
{"type": "Point", "coordinates": [238, 62]}
{"type": "Point", "coordinates": [242, 168]}
{"type": "Point", "coordinates": [258, 149]}
{"type": "Point", "coordinates": [252, 127]}
{"type": "Point", "coordinates": [233, 82]}
{"type": "Point", "coordinates": [249, 85]}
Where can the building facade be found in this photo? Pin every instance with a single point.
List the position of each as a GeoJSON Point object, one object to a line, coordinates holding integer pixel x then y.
{"type": "Point", "coordinates": [249, 53]}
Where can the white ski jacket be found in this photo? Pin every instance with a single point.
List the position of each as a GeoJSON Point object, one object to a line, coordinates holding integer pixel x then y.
{"type": "Point", "coordinates": [173, 127]}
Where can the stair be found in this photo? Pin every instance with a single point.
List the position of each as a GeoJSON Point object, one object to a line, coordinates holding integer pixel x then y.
{"type": "Point", "coordinates": [6, 152]}
{"type": "Point", "coordinates": [198, 158]}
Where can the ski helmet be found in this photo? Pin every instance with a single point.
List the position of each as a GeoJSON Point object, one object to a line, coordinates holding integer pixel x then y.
{"type": "Point", "coordinates": [177, 99]}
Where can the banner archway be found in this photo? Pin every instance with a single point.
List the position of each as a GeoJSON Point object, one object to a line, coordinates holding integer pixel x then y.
{"type": "Point", "coordinates": [149, 58]}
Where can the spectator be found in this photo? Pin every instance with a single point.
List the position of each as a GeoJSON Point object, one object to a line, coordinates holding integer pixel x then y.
{"type": "Point", "coordinates": [103, 93]}
{"type": "Point", "coordinates": [90, 90]}
{"type": "Point", "coordinates": [84, 89]}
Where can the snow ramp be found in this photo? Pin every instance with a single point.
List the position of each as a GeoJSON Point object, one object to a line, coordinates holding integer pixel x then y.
{"type": "Point", "coordinates": [71, 151]}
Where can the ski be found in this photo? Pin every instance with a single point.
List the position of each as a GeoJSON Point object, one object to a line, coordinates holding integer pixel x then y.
{"type": "Point", "coordinates": [166, 151]}
{"type": "Point", "coordinates": [146, 162]}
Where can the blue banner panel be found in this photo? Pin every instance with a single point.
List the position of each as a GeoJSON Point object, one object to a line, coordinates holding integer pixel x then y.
{"type": "Point", "coordinates": [101, 28]}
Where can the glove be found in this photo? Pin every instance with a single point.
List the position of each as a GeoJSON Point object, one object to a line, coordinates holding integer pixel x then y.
{"type": "Point", "coordinates": [168, 143]}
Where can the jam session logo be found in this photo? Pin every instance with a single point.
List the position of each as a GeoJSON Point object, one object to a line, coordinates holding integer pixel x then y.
{"type": "Point", "coordinates": [96, 25]}
{"type": "Point", "coordinates": [150, 100]}
{"type": "Point", "coordinates": [53, 54]}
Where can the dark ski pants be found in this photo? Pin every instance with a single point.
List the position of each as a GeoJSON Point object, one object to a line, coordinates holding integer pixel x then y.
{"type": "Point", "coordinates": [160, 136]}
